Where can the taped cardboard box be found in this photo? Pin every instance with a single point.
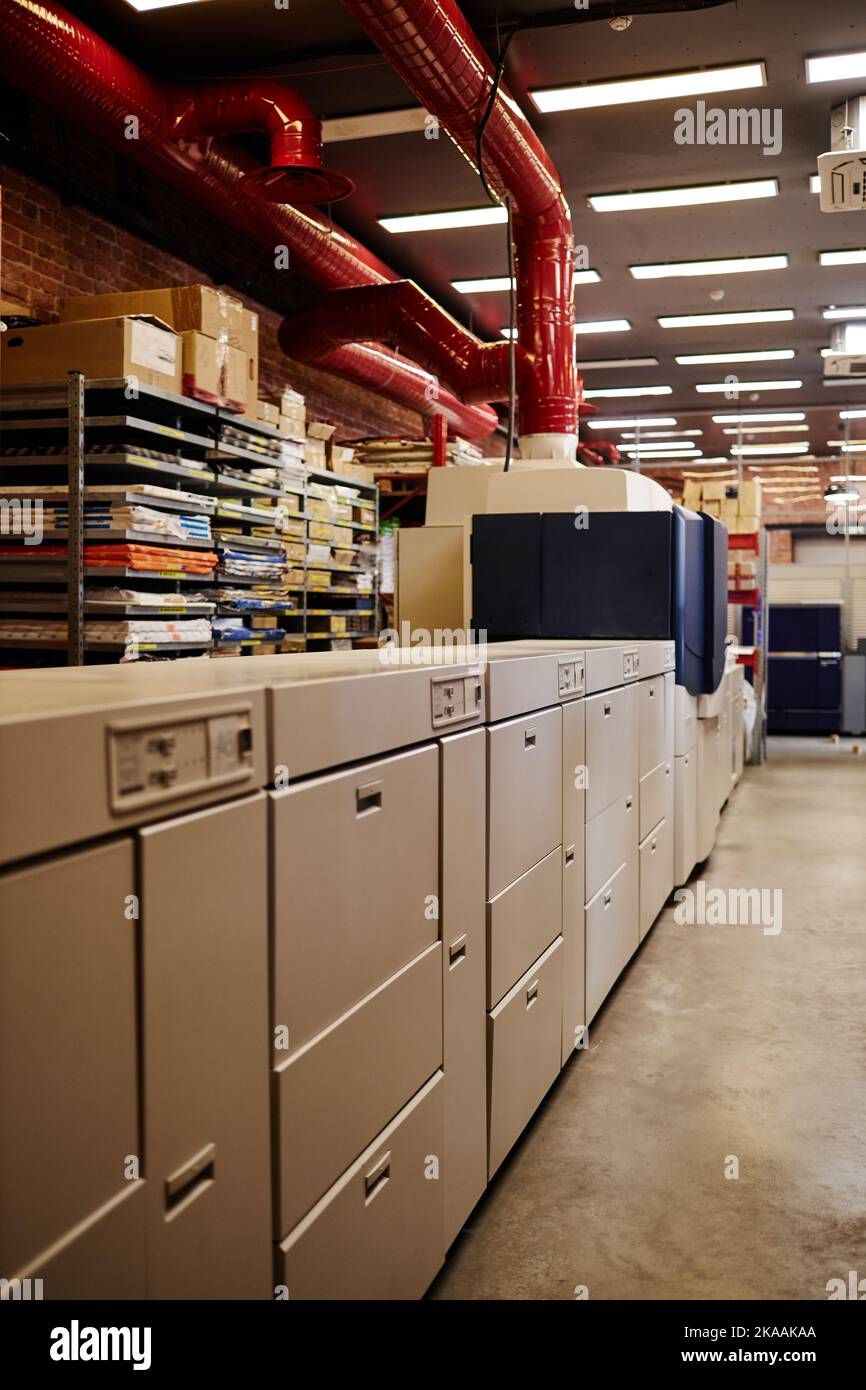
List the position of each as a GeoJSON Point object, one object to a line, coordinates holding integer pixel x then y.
{"type": "Point", "coordinates": [184, 308]}
{"type": "Point", "coordinates": [215, 372]}
{"type": "Point", "coordinates": [749, 498]}
{"type": "Point", "coordinates": [133, 345]}
{"type": "Point", "coordinates": [713, 492]}
{"type": "Point", "coordinates": [267, 413]}
{"type": "Point", "coordinates": [691, 494]}
{"type": "Point", "coordinates": [748, 525]}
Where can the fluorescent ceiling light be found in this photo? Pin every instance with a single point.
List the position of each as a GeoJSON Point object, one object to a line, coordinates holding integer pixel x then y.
{"type": "Point", "coordinates": [663, 88]}
{"type": "Point", "coordinates": [849, 478]}
{"type": "Point", "coordinates": [630, 391]}
{"type": "Point", "coordinates": [492, 284]}
{"type": "Point", "coordinates": [814, 183]}
{"type": "Point", "coordinates": [696, 359]}
{"type": "Point", "coordinates": [852, 414]}
{"type": "Point", "coordinates": [842, 257]}
{"type": "Point", "coordinates": [835, 67]}
{"type": "Point", "coordinates": [144, 5]}
{"type": "Point", "coordinates": [653, 455]}
{"type": "Point", "coordinates": [655, 446]}
{"type": "Point", "coordinates": [603, 326]}
{"type": "Point", "coordinates": [759, 418]}
{"type": "Point", "coordinates": [664, 434]}
{"type": "Point", "coordinates": [731, 265]}
{"type": "Point", "coordinates": [846, 311]}
{"type": "Point", "coordinates": [445, 221]}
{"type": "Point", "coordinates": [373, 124]}
{"type": "Point", "coordinates": [631, 423]}
{"type": "Point", "coordinates": [609, 364]}
{"type": "Point", "coordinates": [735, 316]}
{"type": "Point", "coordinates": [738, 387]}
{"type": "Point", "coordinates": [770, 429]}
{"type": "Point", "coordinates": [846, 448]}
{"type": "Point", "coordinates": [741, 450]}
{"type": "Point", "coordinates": [691, 196]}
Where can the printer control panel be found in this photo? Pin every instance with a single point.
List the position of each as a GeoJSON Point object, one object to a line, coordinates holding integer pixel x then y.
{"type": "Point", "coordinates": [631, 664]}
{"type": "Point", "coordinates": [571, 678]}
{"type": "Point", "coordinates": [150, 762]}
{"type": "Point", "coordinates": [456, 699]}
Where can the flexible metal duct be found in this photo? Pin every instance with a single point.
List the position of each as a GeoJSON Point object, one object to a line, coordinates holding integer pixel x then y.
{"type": "Point", "coordinates": [430, 44]}
{"type": "Point", "coordinates": [61, 61]}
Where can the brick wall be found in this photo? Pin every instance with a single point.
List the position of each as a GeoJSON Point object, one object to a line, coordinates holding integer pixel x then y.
{"type": "Point", "coordinates": [50, 250]}
{"type": "Point", "coordinates": [780, 549]}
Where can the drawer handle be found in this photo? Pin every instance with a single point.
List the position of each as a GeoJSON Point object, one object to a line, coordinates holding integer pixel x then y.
{"type": "Point", "coordinates": [653, 846]}
{"type": "Point", "coordinates": [607, 710]}
{"type": "Point", "coordinates": [569, 855]}
{"type": "Point", "coordinates": [686, 760]}
{"type": "Point", "coordinates": [377, 1177]}
{"type": "Point", "coordinates": [608, 899]}
{"type": "Point", "coordinates": [457, 951]}
{"type": "Point", "coordinates": [629, 802]}
{"type": "Point", "coordinates": [532, 994]}
{"type": "Point", "coordinates": [652, 691]}
{"type": "Point", "coordinates": [667, 770]}
{"type": "Point", "coordinates": [368, 798]}
{"type": "Point", "coordinates": [529, 738]}
{"type": "Point", "coordinates": [194, 1175]}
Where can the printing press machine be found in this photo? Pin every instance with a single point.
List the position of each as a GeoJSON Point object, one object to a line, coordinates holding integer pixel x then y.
{"type": "Point", "coordinates": [292, 950]}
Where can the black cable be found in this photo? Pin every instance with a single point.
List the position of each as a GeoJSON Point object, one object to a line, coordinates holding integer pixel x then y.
{"type": "Point", "coordinates": [512, 341]}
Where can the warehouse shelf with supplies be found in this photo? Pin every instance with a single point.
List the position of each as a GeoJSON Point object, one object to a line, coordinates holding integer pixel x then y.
{"type": "Point", "coordinates": [154, 495]}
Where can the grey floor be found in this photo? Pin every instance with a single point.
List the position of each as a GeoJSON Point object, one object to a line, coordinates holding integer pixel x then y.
{"type": "Point", "coordinates": [718, 1042]}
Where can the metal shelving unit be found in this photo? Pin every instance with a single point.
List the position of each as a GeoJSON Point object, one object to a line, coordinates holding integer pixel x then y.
{"type": "Point", "coordinates": [92, 433]}
{"type": "Point", "coordinates": [756, 600]}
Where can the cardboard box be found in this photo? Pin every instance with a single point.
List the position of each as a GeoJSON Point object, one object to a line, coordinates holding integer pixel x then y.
{"type": "Point", "coordinates": [316, 453]}
{"type": "Point", "coordinates": [749, 498]}
{"type": "Point", "coordinates": [691, 493]}
{"type": "Point", "coordinates": [267, 413]}
{"type": "Point", "coordinates": [712, 509]}
{"type": "Point", "coordinates": [185, 308]}
{"type": "Point", "coordinates": [713, 492]}
{"type": "Point", "coordinates": [136, 345]}
{"type": "Point", "coordinates": [215, 372]}
{"type": "Point", "coordinates": [748, 525]}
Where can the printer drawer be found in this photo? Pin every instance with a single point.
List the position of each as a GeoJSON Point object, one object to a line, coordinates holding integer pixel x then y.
{"type": "Point", "coordinates": [524, 817]}
{"type": "Point", "coordinates": [521, 922]}
{"type": "Point", "coordinates": [378, 1232]}
{"type": "Point", "coordinates": [69, 1091]}
{"type": "Point", "coordinates": [611, 839]}
{"type": "Point", "coordinates": [347, 1083]}
{"type": "Point", "coordinates": [685, 815]}
{"type": "Point", "coordinates": [612, 934]}
{"type": "Point", "coordinates": [355, 864]}
{"type": "Point", "coordinates": [651, 723]}
{"type": "Point", "coordinates": [685, 721]}
{"type": "Point", "coordinates": [609, 744]}
{"type": "Point", "coordinates": [656, 873]}
{"type": "Point", "coordinates": [656, 797]}
{"type": "Point", "coordinates": [524, 1035]}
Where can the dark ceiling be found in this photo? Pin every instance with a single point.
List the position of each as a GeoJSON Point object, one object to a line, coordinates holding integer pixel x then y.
{"type": "Point", "coordinates": [317, 45]}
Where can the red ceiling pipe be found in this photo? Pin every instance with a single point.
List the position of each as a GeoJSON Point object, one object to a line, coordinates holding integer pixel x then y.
{"type": "Point", "coordinates": [430, 44]}
{"type": "Point", "coordinates": [297, 173]}
{"type": "Point", "coordinates": [378, 368]}
{"type": "Point", "coordinates": [401, 313]}
{"type": "Point", "coordinates": [58, 59]}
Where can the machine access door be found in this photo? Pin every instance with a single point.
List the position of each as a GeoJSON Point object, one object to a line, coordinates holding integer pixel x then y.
{"type": "Point", "coordinates": [204, 904]}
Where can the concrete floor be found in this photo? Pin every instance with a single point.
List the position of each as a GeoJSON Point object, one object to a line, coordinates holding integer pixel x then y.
{"type": "Point", "coordinates": [717, 1041]}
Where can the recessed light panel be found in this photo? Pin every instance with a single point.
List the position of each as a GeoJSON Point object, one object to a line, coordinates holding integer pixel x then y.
{"type": "Point", "coordinates": [692, 196]}
{"type": "Point", "coordinates": [665, 87]}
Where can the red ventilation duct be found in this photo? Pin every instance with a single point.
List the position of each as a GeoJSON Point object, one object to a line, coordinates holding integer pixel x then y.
{"type": "Point", "coordinates": [45, 50]}
{"type": "Point", "coordinates": [430, 44]}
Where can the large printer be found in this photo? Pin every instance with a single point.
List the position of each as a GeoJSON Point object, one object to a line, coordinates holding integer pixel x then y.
{"type": "Point", "coordinates": [560, 552]}
{"type": "Point", "coordinates": [318, 934]}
